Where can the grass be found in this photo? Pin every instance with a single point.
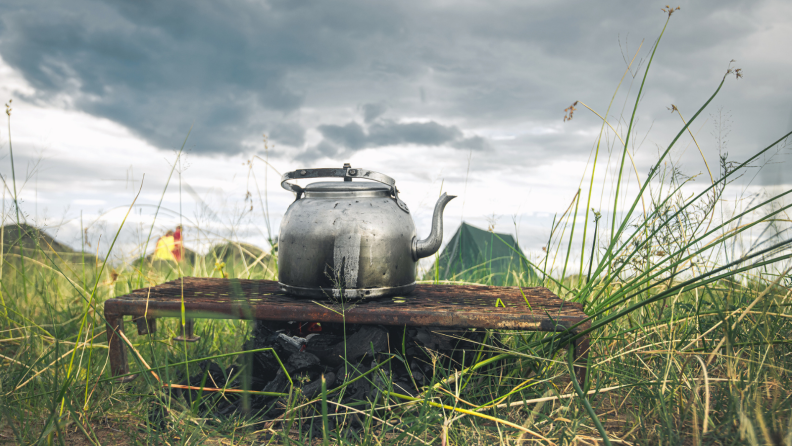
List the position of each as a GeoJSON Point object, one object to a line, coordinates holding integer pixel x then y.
{"type": "Point", "coordinates": [689, 302]}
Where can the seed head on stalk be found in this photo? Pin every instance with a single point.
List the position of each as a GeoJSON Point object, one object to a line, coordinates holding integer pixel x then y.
{"type": "Point", "coordinates": [570, 111]}
{"type": "Point", "coordinates": [669, 10]}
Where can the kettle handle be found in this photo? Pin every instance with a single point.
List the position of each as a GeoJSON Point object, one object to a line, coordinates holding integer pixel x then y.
{"type": "Point", "coordinates": [347, 173]}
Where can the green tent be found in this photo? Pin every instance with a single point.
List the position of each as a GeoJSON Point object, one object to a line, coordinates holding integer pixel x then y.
{"type": "Point", "coordinates": [476, 255]}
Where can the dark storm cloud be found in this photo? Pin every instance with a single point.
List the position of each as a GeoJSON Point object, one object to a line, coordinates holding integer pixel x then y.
{"type": "Point", "coordinates": [161, 68]}
{"type": "Point", "coordinates": [373, 111]}
{"type": "Point", "coordinates": [353, 136]}
{"type": "Point", "coordinates": [288, 133]}
{"type": "Point", "coordinates": [472, 143]}
{"type": "Point", "coordinates": [233, 71]}
{"type": "Point", "coordinates": [324, 149]}
{"type": "Point", "coordinates": [420, 133]}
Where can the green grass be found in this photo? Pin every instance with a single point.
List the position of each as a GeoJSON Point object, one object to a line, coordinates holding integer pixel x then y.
{"type": "Point", "coordinates": [689, 302]}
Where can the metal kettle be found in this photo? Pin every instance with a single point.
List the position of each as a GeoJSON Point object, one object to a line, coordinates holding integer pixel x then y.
{"type": "Point", "coordinates": [354, 239]}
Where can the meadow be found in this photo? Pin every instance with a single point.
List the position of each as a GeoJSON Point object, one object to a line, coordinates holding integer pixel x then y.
{"type": "Point", "coordinates": [688, 295]}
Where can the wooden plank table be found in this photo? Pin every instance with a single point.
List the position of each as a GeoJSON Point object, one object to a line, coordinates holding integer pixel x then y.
{"type": "Point", "coordinates": [454, 306]}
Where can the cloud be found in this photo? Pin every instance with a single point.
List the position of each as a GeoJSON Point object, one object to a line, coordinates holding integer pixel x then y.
{"type": "Point", "coordinates": [322, 150]}
{"type": "Point", "coordinates": [472, 143]}
{"type": "Point", "coordinates": [289, 68]}
{"type": "Point", "coordinates": [289, 133]}
{"type": "Point", "coordinates": [352, 136]}
{"type": "Point", "coordinates": [160, 70]}
{"type": "Point", "coordinates": [373, 111]}
{"type": "Point", "coordinates": [430, 133]}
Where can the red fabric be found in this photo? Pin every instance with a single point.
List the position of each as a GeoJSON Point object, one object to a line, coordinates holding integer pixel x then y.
{"type": "Point", "coordinates": [179, 249]}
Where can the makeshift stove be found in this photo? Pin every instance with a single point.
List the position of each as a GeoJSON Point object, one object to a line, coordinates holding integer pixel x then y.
{"type": "Point", "coordinates": [323, 336]}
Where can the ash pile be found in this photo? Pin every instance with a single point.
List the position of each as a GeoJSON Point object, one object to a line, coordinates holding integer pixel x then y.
{"type": "Point", "coordinates": [406, 358]}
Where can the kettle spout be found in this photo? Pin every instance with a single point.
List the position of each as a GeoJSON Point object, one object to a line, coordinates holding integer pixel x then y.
{"type": "Point", "coordinates": [430, 245]}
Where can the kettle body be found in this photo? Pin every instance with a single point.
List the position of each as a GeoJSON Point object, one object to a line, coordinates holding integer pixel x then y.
{"type": "Point", "coordinates": [350, 239]}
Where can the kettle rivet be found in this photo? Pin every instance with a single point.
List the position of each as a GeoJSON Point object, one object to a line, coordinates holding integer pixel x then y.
{"type": "Point", "coordinates": [353, 171]}
{"type": "Point", "coordinates": [302, 172]}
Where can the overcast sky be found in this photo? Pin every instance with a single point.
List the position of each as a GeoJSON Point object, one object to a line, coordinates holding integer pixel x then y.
{"type": "Point", "coordinates": [465, 95]}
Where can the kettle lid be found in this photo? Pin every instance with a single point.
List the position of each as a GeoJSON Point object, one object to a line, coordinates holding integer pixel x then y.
{"type": "Point", "coordinates": [346, 186]}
